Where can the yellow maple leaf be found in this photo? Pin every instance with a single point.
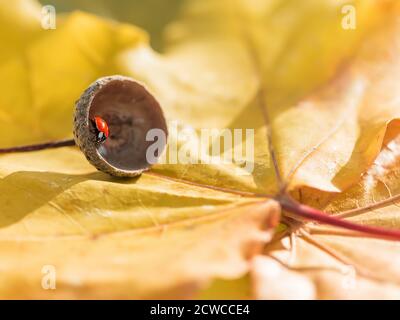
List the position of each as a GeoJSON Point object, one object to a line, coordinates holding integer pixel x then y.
{"type": "Point", "coordinates": [60, 213]}
{"type": "Point", "coordinates": [270, 66]}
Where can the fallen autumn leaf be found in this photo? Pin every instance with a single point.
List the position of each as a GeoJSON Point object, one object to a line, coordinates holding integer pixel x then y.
{"type": "Point", "coordinates": [324, 108]}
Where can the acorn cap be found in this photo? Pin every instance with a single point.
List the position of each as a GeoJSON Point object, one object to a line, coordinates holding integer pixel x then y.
{"type": "Point", "coordinates": [130, 111]}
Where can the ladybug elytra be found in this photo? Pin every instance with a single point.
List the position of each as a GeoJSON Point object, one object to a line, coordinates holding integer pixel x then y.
{"type": "Point", "coordinates": [101, 129]}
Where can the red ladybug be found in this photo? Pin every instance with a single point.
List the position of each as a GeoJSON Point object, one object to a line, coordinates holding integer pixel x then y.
{"type": "Point", "coordinates": [101, 129]}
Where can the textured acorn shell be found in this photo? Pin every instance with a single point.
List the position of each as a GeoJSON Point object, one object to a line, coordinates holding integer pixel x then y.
{"type": "Point", "coordinates": [130, 110]}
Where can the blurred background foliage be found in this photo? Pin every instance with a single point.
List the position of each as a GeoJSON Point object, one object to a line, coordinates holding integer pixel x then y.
{"type": "Point", "coordinates": [151, 15]}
